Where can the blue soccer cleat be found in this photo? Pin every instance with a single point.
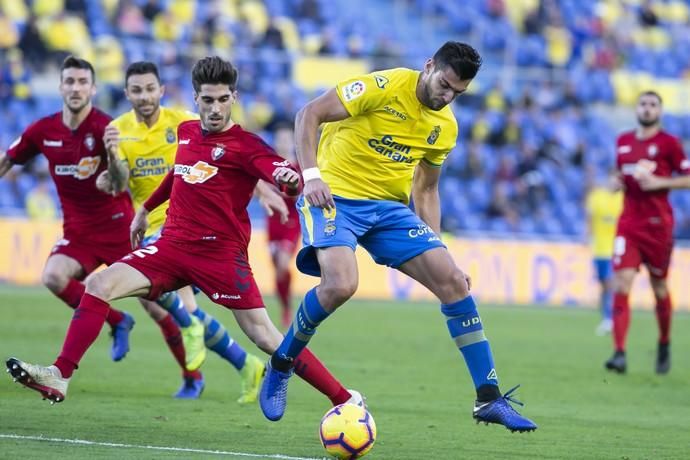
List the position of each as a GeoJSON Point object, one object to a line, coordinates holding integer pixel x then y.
{"type": "Point", "coordinates": [120, 335]}
{"type": "Point", "coordinates": [273, 395]}
{"type": "Point", "coordinates": [191, 388]}
{"type": "Point", "coordinates": [501, 412]}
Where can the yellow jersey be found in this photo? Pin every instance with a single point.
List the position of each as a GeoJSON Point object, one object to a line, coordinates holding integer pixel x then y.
{"type": "Point", "coordinates": [603, 207]}
{"type": "Point", "coordinates": [373, 153]}
{"type": "Point", "coordinates": [150, 154]}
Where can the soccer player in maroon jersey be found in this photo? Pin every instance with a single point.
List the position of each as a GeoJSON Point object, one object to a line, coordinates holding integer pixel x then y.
{"type": "Point", "coordinates": [646, 158]}
{"type": "Point", "coordinates": [284, 236]}
{"type": "Point", "coordinates": [95, 224]}
{"type": "Point", "coordinates": [204, 240]}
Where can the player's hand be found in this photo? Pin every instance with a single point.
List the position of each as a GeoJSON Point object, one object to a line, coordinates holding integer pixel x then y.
{"type": "Point", "coordinates": [111, 139]}
{"type": "Point", "coordinates": [104, 184]}
{"type": "Point", "coordinates": [286, 176]}
{"type": "Point", "coordinates": [318, 194]}
{"type": "Point", "coordinates": [273, 202]}
{"type": "Point", "coordinates": [138, 227]}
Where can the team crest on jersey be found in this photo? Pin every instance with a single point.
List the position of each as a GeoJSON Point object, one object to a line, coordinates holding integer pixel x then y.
{"type": "Point", "coordinates": [89, 141]}
{"type": "Point", "coordinates": [170, 136]}
{"type": "Point", "coordinates": [381, 81]}
{"type": "Point", "coordinates": [217, 152]}
{"type": "Point", "coordinates": [433, 135]}
{"type": "Point", "coordinates": [197, 174]}
{"type": "Point", "coordinates": [652, 150]}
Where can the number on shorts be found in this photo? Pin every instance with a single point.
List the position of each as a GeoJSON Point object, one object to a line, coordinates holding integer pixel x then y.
{"type": "Point", "coordinates": [141, 253]}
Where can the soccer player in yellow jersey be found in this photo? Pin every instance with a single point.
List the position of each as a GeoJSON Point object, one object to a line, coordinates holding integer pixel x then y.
{"type": "Point", "coordinates": [384, 142]}
{"type": "Point", "coordinates": [146, 139]}
{"type": "Point", "coordinates": [604, 204]}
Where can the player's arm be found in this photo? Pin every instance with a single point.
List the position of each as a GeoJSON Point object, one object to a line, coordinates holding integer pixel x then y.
{"type": "Point", "coordinates": [427, 203]}
{"type": "Point", "coordinates": [5, 163]}
{"type": "Point", "coordinates": [140, 223]}
{"type": "Point", "coordinates": [271, 200]}
{"type": "Point", "coordinates": [325, 108]}
{"type": "Point", "coordinates": [650, 182]}
{"type": "Point", "coordinates": [22, 149]}
{"type": "Point", "coordinates": [679, 164]}
{"type": "Point", "coordinates": [118, 171]}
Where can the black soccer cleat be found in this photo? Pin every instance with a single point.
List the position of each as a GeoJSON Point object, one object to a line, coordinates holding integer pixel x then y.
{"type": "Point", "coordinates": [617, 363]}
{"type": "Point", "coordinates": [663, 359]}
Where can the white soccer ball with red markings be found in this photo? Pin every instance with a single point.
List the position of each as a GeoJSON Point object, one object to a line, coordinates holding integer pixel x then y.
{"type": "Point", "coordinates": [348, 431]}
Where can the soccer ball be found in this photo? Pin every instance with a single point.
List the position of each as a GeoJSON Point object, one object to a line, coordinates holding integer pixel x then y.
{"type": "Point", "coordinates": [348, 431]}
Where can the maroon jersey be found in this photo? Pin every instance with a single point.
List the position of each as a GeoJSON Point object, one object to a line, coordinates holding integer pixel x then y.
{"type": "Point", "coordinates": [662, 155]}
{"type": "Point", "coordinates": [211, 184]}
{"type": "Point", "coordinates": [76, 158]}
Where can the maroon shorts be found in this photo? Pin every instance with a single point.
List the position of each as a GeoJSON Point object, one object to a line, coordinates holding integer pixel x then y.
{"type": "Point", "coordinates": [286, 236]}
{"type": "Point", "coordinates": [223, 274]}
{"type": "Point", "coordinates": [631, 249]}
{"type": "Point", "coordinates": [92, 254]}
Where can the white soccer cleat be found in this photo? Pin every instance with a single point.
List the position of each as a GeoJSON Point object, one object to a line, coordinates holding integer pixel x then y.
{"type": "Point", "coordinates": [356, 398]}
{"type": "Point", "coordinates": [46, 380]}
{"type": "Point", "coordinates": [605, 327]}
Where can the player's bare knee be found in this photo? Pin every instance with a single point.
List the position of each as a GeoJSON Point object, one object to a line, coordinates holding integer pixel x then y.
{"type": "Point", "coordinates": [54, 280]}
{"type": "Point", "coordinates": [660, 288]}
{"type": "Point", "coordinates": [622, 284]}
{"type": "Point", "coordinates": [453, 287]}
{"type": "Point", "coordinates": [334, 292]}
{"type": "Point", "coordinates": [98, 285]}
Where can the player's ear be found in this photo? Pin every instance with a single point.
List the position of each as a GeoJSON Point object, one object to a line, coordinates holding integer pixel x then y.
{"type": "Point", "coordinates": [235, 95]}
{"type": "Point", "coordinates": [429, 66]}
{"type": "Point", "coordinates": [196, 98]}
{"type": "Point", "coordinates": [162, 90]}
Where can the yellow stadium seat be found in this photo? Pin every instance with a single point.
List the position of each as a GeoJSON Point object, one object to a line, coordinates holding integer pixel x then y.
{"type": "Point", "coordinates": [256, 15]}
{"type": "Point", "coordinates": [311, 44]}
{"type": "Point", "coordinates": [516, 10]}
{"type": "Point", "coordinates": [289, 31]}
{"type": "Point", "coordinates": [312, 73]}
{"type": "Point", "coordinates": [183, 10]}
{"type": "Point", "coordinates": [623, 87]}
{"type": "Point", "coordinates": [9, 35]}
{"type": "Point", "coordinates": [44, 8]}
{"type": "Point", "coordinates": [16, 11]}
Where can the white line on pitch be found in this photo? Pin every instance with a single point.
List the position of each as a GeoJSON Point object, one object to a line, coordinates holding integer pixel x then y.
{"type": "Point", "coordinates": [135, 446]}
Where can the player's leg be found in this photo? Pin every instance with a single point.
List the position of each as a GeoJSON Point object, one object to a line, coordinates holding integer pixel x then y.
{"type": "Point", "coordinates": [330, 240]}
{"type": "Point", "coordinates": [663, 316]}
{"type": "Point", "coordinates": [117, 281]}
{"type": "Point", "coordinates": [603, 270]}
{"type": "Point", "coordinates": [339, 279]}
{"type": "Point", "coordinates": [622, 284]}
{"type": "Point", "coordinates": [218, 339]}
{"type": "Point", "coordinates": [191, 328]}
{"type": "Point", "coordinates": [257, 325]}
{"type": "Point", "coordinates": [63, 271]}
{"type": "Point", "coordinates": [281, 256]}
{"type": "Point", "coordinates": [626, 261]}
{"type": "Point", "coordinates": [192, 380]}
{"type": "Point", "coordinates": [436, 270]}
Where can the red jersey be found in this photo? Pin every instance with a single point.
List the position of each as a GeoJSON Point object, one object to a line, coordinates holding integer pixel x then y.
{"type": "Point", "coordinates": [76, 158]}
{"type": "Point", "coordinates": [212, 182]}
{"type": "Point", "coordinates": [661, 154]}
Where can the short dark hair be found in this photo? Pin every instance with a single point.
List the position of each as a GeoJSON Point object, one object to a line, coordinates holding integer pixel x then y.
{"type": "Point", "coordinates": [213, 70]}
{"type": "Point", "coordinates": [651, 92]}
{"type": "Point", "coordinates": [73, 62]}
{"type": "Point", "coordinates": [141, 68]}
{"type": "Point", "coordinates": [461, 57]}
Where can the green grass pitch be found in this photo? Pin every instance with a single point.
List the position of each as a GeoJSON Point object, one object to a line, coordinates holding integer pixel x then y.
{"type": "Point", "coordinates": [398, 354]}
